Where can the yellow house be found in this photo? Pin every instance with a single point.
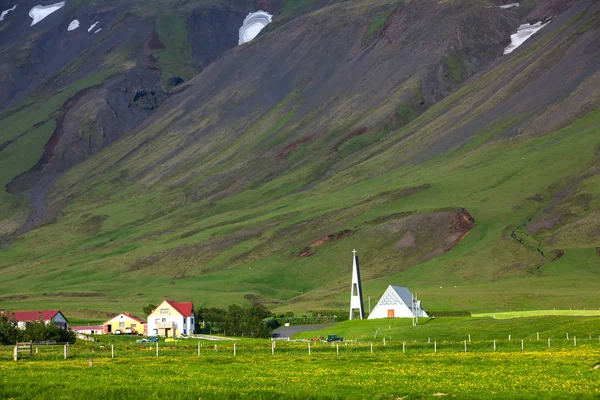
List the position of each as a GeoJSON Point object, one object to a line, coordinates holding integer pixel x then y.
{"type": "Point", "coordinates": [124, 324]}
{"type": "Point", "coordinates": [171, 319]}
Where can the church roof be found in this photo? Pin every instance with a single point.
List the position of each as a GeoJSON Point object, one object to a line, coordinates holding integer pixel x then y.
{"type": "Point", "coordinates": [404, 294]}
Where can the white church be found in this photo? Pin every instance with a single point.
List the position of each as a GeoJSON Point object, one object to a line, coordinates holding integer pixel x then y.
{"type": "Point", "coordinates": [396, 302]}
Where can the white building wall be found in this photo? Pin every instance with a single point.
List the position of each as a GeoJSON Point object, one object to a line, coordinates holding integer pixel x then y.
{"type": "Point", "coordinates": [400, 311]}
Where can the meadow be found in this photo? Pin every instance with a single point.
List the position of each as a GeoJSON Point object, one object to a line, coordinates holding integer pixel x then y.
{"type": "Point", "coordinates": [413, 362]}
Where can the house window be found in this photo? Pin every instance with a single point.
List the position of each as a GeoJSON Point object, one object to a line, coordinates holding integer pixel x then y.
{"type": "Point", "coordinates": [157, 320]}
{"type": "Point", "coordinates": [164, 310]}
{"type": "Point", "coordinates": [355, 290]}
{"type": "Point", "coordinates": [133, 325]}
{"type": "Point", "coordinates": [121, 324]}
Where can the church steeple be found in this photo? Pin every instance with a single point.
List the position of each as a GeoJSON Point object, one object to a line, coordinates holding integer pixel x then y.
{"type": "Point", "coordinates": [356, 298]}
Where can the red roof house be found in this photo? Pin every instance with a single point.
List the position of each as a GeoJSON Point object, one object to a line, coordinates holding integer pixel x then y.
{"type": "Point", "coordinates": [22, 317]}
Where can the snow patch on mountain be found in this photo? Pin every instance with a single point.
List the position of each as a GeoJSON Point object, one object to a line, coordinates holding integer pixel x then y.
{"type": "Point", "coordinates": [253, 24]}
{"type": "Point", "coordinates": [524, 32]}
{"type": "Point", "coordinates": [98, 30]}
{"type": "Point", "coordinates": [511, 5]}
{"type": "Point", "coordinates": [73, 25]}
{"type": "Point", "coordinates": [38, 13]}
{"type": "Point", "coordinates": [93, 26]}
{"type": "Point", "coordinates": [5, 12]}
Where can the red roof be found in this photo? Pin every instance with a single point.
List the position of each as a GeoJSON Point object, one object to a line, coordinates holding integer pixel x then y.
{"type": "Point", "coordinates": [86, 328]}
{"type": "Point", "coordinates": [184, 308]}
{"type": "Point", "coordinates": [28, 316]}
{"type": "Point", "coordinates": [135, 318]}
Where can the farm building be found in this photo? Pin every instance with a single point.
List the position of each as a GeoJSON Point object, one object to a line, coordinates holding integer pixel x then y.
{"type": "Point", "coordinates": [23, 317]}
{"type": "Point", "coordinates": [171, 319]}
{"type": "Point", "coordinates": [397, 302]}
{"type": "Point", "coordinates": [125, 324]}
{"type": "Point", "coordinates": [88, 330]}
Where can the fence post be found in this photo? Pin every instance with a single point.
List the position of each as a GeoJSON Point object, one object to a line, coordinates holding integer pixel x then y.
{"type": "Point", "coordinates": [434, 346]}
{"type": "Point", "coordinates": [198, 348]}
{"type": "Point", "coordinates": [548, 342]}
{"type": "Point", "coordinates": [30, 348]}
{"type": "Point", "coordinates": [567, 335]}
{"type": "Point", "coordinates": [538, 336]}
{"type": "Point", "coordinates": [371, 348]}
{"type": "Point", "coordinates": [156, 349]}
{"type": "Point", "coordinates": [337, 349]}
{"type": "Point", "coordinates": [384, 340]}
{"type": "Point", "coordinates": [509, 338]}
{"type": "Point", "coordinates": [16, 353]}
{"type": "Point", "coordinates": [403, 348]}
{"type": "Point", "coordinates": [65, 351]}
{"type": "Point", "coordinates": [234, 349]}
{"type": "Point", "coordinates": [494, 344]}
{"type": "Point", "coordinates": [309, 348]}
{"type": "Point", "coordinates": [428, 340]}
{"type": "Point", "coordinates": [522, 344]}
{"type": "Point", "coordinates": [112, 351]}
{"type": "Point", "coordinates": [469, 338]}
{"type": "Point", "coordinates": [465, 346]}
{"type": "Point", "coordinates": [272, 348]}
{"type": "Point", "coordinates": [575, 341]}
{"type": "Point", "coordinates": [36, 350]}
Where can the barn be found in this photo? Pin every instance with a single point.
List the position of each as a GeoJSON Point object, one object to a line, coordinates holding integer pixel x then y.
{"type": "Point", "coordinates": [397, 302]}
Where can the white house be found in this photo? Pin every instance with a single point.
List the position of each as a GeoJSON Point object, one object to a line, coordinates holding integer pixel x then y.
{"type": "Point", "coordinates": [88, 329]}
{"type": "Point", "coordinates": [397, 302]}
{"type": "Point", "coordinates": [23, 317]}
{"type": "Point", "coordinates": [171, 319]}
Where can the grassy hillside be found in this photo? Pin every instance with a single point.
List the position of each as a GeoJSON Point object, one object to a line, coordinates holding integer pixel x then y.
{"type": "Point", "coordinates": [257, 186]}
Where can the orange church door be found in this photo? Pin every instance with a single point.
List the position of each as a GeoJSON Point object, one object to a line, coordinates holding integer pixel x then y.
{"type": "Point", "coordinates": [391, 314]}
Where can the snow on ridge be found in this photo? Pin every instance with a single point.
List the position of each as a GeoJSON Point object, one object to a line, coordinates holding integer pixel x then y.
{"type": "Point", "coordinates": [93, 26]}
{"type": "Point", "coordinates": [253, 24]}
{"type": "Point", "coordinates": [98, 30]}
{"type": "Point", "coordinates": [38, 13]}
{"type": "Point", "coordinates": [73, 25]}
{"type": "Point", "coordinates": [524, 32]}
{"type": "Point", "coordinates": [511, 5]}
{"type": "Point", "coordinates": [5, 12]}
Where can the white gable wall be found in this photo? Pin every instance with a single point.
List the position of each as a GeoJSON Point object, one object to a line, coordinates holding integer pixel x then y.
{"type": "Point", "coordinates": [396, 303]}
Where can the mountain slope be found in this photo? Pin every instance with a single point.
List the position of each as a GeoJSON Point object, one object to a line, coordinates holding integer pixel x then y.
{"type": "Point", "coordinates": [395, 128]}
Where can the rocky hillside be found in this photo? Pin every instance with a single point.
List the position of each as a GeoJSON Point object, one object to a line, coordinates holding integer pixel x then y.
{"type": "Point", "coordinates": [160, 152]}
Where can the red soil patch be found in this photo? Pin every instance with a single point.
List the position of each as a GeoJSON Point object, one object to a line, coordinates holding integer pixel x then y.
{"type": "Point", "coordinates": [154, 43]}
{"type": "Point", "coordinates": [350, 136]}
{"type": "Point", "coordinates": [308, 250]}
{"type": "Point", "coordinates": [408, 240]}
{"type": "Point", "coordinates": [290, 148]}
{"type": "Point", "coordinates": [462, 223]}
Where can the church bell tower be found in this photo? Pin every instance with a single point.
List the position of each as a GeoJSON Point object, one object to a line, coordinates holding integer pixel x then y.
{"type": "Point", "coordinates": [356, 298]}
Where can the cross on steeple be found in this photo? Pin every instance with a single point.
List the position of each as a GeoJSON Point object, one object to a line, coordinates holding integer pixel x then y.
{"type": "Point", "coordinates": [354, 251]}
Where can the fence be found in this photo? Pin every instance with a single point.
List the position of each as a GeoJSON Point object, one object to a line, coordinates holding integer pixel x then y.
{"type": "Point", "coordinates": [195, 348]}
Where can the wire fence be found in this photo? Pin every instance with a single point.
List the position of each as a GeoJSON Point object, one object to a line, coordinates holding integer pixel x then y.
{"type": "Point", "coordinates": [195, 348]}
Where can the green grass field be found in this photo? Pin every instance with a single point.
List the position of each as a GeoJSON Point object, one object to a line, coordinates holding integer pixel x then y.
{"type": "Point", "coordinates": [406, 365]}
{"type": "Point", "coordinates": [539, 313]}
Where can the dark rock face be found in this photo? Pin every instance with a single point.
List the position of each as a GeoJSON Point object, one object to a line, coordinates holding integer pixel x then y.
{"type": "Point", "coordinates": [94, 119]}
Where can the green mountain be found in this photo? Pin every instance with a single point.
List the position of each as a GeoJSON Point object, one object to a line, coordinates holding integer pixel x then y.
{"type": "Point", "coordinates": [158, 158]}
